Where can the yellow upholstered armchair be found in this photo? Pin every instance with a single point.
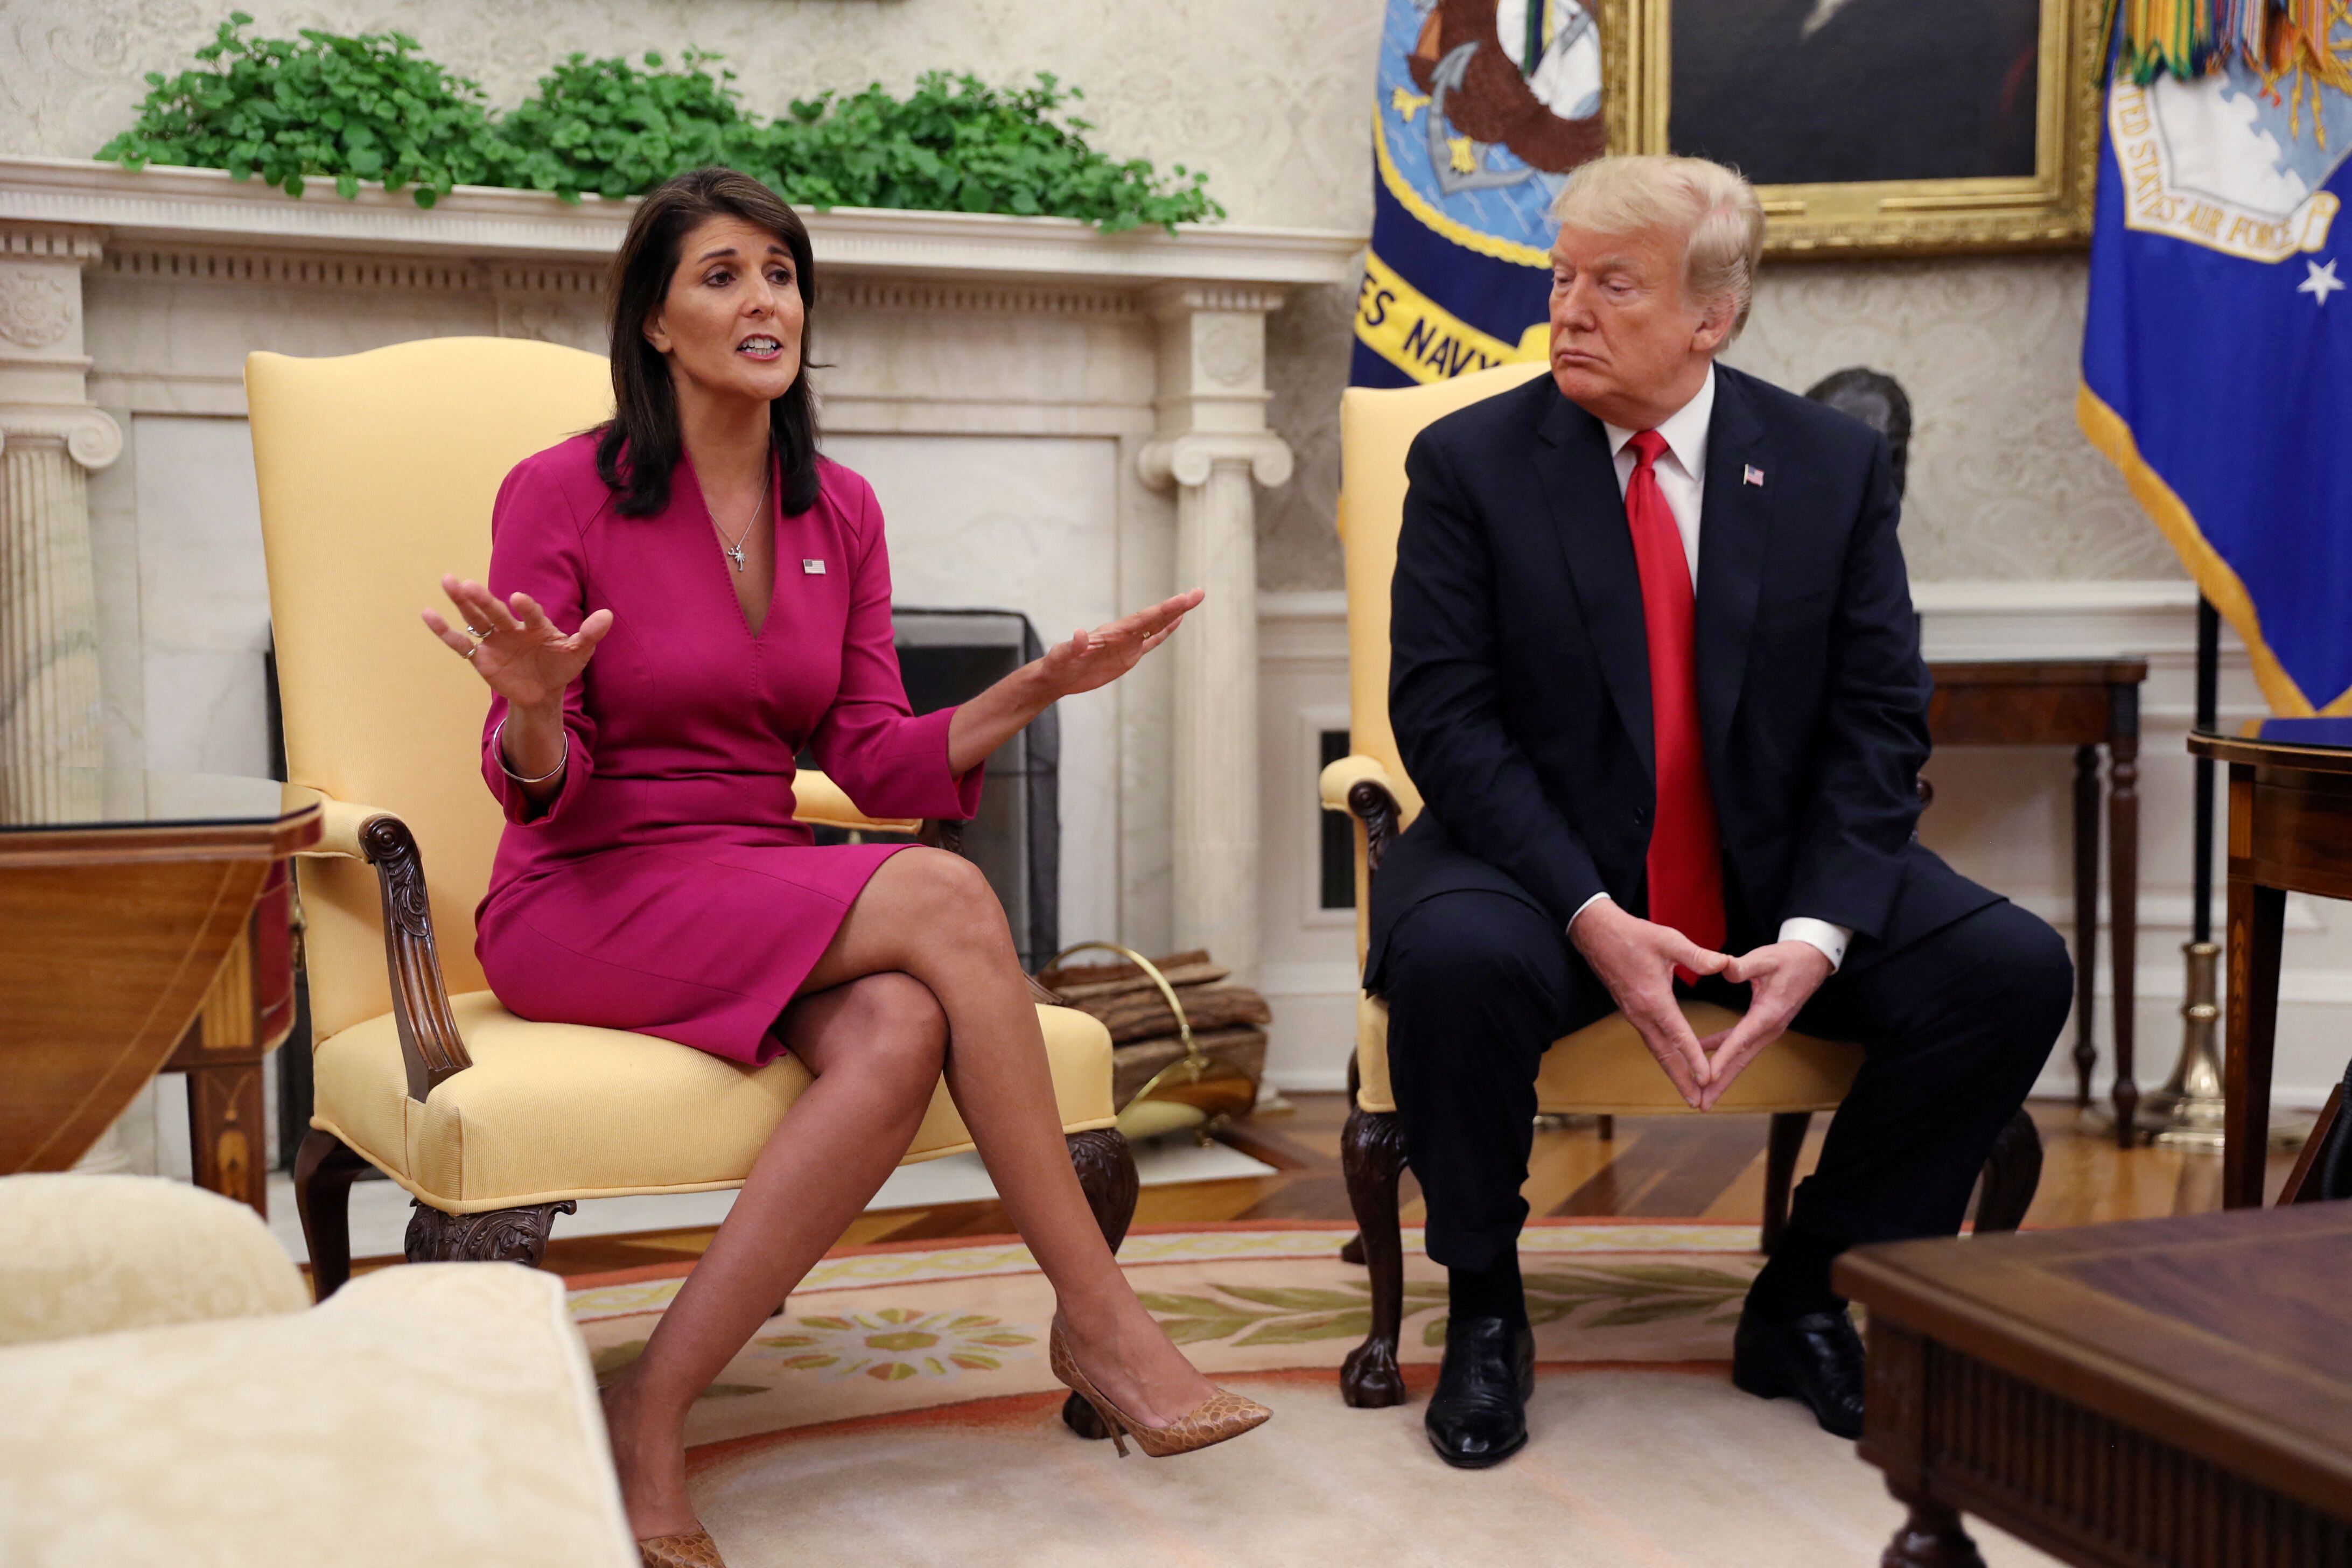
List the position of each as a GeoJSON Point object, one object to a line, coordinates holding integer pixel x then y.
{"type": "Point", "coordinates": [1602, 1069]}
{"type": "Point", "coordinates": [377, 471]}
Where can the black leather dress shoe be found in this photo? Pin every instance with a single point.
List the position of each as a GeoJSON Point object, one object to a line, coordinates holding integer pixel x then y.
{"type": "Point", "coordinates": [1816, 1358]}
{"type": "Point", "coordinates": [1478, 1416]}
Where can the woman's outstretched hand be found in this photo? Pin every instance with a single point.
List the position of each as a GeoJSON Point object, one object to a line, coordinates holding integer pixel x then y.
{"type": "Point", "coordinates": [522, 655]}
{"type": "Point", "coordinates": [1089, 659]}
{"type": "Point", "coordinates": [1098, 657]}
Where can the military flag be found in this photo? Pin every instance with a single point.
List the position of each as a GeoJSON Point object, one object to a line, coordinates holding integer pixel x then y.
{"type": "Point", "coordinates": [2217, 359]}
{"type": "Point", "coordinates": [1482, 108]}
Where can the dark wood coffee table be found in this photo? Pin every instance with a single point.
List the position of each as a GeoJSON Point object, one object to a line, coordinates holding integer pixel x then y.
{"type": "Point", "coordinates": [2174, 1391]}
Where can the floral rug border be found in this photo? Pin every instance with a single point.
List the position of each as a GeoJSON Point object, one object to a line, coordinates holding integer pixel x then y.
{"type": "Point", "coordinates": [631, 1292]}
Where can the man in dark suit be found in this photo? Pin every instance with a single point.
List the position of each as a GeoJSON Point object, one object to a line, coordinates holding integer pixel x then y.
{"type": "Point", "coordinates": [1655, 673]}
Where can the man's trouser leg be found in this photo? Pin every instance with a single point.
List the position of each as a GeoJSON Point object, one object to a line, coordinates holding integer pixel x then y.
{"type": "Point", "coordinates": [1478, 986]}
{"type": "Point", "coordinates": [1956, 1028]}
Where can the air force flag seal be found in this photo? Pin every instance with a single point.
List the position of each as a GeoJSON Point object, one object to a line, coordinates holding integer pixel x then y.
{"type": "Point", "coordinates": [2215, 371]}
{"type": "Point", "coordinates": [1481, 109]}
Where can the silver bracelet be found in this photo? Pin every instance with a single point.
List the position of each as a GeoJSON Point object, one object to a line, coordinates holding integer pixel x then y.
{"type": "Point", "coordinates": [498, 748]}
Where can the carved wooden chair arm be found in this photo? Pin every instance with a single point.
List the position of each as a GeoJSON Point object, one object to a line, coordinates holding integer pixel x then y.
{"type": "Point", "coordinates": [1363, 787]}
{"type": "Point", "coordinates": [430, 1047]}
{"type": "Point", "coordinates": [341, 824]}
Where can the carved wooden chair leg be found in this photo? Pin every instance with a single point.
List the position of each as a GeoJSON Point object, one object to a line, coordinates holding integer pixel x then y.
{"type": "Point", "coordinates": [1352, 1250]}
{"type": "Point", "coordinates": [1782, 1144]}
{"type": "Point", "coordinates": [494, 1236]}
{"type": "Point", "coordinates": [1930, 1538]}
{"type": "Point", "coordinates": [2011, 1174]}
{"type": "Point", "coordinates": [1371, 1154]}
{"type": "Point", "coordinates": [324, 1169]}
{"type": "Point", "coordinates": [1106, 1167]}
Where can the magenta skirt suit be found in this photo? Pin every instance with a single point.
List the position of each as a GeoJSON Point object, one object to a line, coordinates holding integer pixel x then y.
{"type": "Point", "coordinates": [666, 890]}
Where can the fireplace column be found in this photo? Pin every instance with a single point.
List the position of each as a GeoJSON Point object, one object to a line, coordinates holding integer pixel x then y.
{"type": "Point", "coordinates": [1212, 447]}
{"type": "Point", "coordinates": [51, 438]}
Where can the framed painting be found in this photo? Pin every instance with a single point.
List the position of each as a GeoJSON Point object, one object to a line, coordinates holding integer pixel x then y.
{"type": "Point", "coordinates": [1872, 126]}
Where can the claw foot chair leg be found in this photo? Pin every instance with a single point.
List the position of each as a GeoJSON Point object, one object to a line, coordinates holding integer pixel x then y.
{"type": "Point", "coordinates": [1106, 1167]}
{"type": "Point", "coordinates": [1352, 1250]}
{"type": "Point", "coordinates": [1372, 1153]}
{"type": "Point", "coordinates": [324, 1169]}
{"type": "Point", "coordinates": [2012, 1174]}
{"type": "Point", "coordinates": [497, 1236]}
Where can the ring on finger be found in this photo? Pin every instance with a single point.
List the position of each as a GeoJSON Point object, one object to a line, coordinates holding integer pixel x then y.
{"type": "Point", "coordinates": [476, 633]}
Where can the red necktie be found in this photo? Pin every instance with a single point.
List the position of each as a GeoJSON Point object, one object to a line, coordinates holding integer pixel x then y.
{"type": "Point", "coordinates": [1686, 860]}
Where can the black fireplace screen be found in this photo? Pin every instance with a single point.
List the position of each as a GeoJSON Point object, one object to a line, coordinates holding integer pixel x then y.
{"type": "Point", "coordinates": [951, 656]}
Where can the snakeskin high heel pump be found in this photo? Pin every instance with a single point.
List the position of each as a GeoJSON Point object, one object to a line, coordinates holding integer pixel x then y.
{"type": "Point", "coordinates": [1221, 1415]}
{"type": "Point", "coordinates": [693, 1549]}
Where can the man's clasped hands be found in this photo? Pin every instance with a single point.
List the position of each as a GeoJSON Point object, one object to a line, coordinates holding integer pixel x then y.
{"type": "Point", "coordinates": [1636, 960]}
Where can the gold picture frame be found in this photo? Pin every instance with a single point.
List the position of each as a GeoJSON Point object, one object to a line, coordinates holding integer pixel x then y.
{"type": "Point", "coordinates": [2050, 209]}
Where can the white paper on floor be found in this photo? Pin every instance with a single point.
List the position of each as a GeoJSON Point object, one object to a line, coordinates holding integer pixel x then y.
{"type": "Point", "coordinates": [380, 1209]}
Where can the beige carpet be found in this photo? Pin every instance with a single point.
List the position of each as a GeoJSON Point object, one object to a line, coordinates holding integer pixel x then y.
{"type": "Point", "coordinates": [900, 1413]}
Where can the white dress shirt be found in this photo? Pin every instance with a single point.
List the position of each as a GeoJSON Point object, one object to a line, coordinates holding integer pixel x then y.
{"type": "Point", "coordinates": [1682, 476]}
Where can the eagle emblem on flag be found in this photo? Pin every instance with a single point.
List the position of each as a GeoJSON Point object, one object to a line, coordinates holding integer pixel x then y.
{"type": "Point", "coordinates": [2214, 375]}
{"type": "Point", "coordinates": [1481, 109]}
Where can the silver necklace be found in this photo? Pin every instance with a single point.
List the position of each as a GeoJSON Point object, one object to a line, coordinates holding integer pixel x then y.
{"type": "Point", "coordinates": [734, 551]}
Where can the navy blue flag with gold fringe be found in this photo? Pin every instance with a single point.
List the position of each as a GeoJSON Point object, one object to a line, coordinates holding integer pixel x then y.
{"type": "Point", "coordinates": [1482, 108]}
{"type": "Point", "coordinates": [2217, 359]}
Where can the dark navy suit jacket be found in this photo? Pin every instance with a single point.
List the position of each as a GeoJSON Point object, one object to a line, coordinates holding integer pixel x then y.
{"type": "Point", "coordinates": [1520, 677]}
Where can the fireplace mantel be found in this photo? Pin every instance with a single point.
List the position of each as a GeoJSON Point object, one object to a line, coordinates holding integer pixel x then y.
{"type": "Point", "coordinates": [209, 208]}
{"type": "Point", "coordinates": [1037, 361]}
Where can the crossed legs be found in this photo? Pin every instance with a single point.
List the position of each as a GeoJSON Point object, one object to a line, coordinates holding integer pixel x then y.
{"type": "Point", "coordinates": [922, 974]}
{"type": "Point", "coordinates": [932, 915]}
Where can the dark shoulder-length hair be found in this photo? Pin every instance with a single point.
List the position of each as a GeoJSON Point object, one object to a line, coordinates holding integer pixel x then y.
{"type": "Point", "coordinates": [636, 452]}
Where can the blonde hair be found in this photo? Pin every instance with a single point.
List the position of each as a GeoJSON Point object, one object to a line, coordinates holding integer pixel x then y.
{"type": "Point", "coordinates": [1713, 206]}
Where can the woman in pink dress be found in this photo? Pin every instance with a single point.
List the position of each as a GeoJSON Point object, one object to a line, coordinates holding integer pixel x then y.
{"type": "Point", "coordinates": [678, 603]}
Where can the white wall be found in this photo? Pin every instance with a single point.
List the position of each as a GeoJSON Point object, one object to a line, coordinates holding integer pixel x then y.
{"type": "Point", "coordinates": [203, 600]}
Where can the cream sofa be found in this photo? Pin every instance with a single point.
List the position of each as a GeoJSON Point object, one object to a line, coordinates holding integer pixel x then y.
{"type": "Point", "coordinates": [168, 1396]}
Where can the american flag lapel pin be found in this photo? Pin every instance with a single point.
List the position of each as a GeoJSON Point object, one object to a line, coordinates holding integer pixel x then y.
{"type": "Point", "coordinates": [1751, 475]}
{"type": "Point", "coordinates": [816, 568]}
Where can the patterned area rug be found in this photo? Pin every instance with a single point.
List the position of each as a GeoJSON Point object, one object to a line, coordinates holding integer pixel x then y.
{"type": "Point", "coordinates": [900, 1411]}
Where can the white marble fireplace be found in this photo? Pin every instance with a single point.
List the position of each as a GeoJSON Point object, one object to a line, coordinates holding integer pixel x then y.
{"type": "Point", "coordinates": [1056, 421]}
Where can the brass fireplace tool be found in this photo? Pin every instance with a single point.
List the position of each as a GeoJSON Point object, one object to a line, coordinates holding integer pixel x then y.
{"type": "Point", "coordinates": [2185, 1114]}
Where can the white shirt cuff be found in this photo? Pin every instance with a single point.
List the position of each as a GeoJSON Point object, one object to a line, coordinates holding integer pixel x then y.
{"type": "Point", "coordinates": [1588, 903]}
{"type": "Point", "coordinates": [1831, 938]}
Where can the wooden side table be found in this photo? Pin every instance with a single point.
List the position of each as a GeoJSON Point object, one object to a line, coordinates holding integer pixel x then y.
{"type": "Point", "coordinates": [246, 1014]}
{"type": "Point", "coordinates": [2083, 703]}
{"type": "Point", "coordinates": [122, 896]}
{"type": "Point", "coordinates": [2290, 832]}
{"type": "Point", "coordinates": [2171, 1391]}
